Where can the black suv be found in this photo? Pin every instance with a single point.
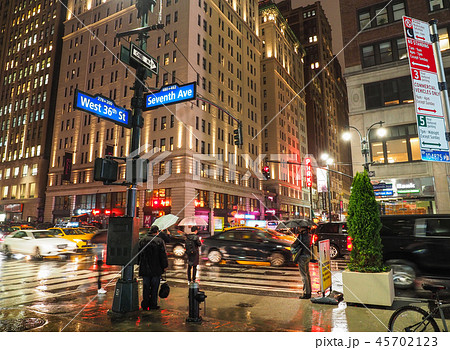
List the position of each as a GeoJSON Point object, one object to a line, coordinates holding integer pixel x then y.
{"type": "Point", "coordinates": [336, 232]}
{"type": "Point", "coordinates": [416, 245]}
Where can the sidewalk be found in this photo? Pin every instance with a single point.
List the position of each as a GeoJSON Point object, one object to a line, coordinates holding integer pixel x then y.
{"type": "Point", "coordinates": [225, 312]}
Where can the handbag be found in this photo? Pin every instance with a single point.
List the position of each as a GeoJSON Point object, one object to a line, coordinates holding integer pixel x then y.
{"type": "Point", "coordinates": [295, 251]}
{"type": "Point", "coordinates": [164, 288]}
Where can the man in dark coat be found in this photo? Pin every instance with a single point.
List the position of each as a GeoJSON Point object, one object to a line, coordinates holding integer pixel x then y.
{"type": "Point", "coordinates": [303, 243]}
{"type": "Point", "coordinates": [153, 261]}
{"type": "Point", "coordinates": [192, 244]}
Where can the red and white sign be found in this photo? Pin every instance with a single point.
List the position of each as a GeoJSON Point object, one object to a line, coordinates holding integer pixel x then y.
{"type": "Point", "coordinates": [421, 55]}
{"type": "Point", "coordinates": [426, 93]}
{"type": "Point", "coordinates": [309, 174]}
{"type": "Point", "coordinates": [427, 96]}
{"type": "Point", "coordinates": [417, 30]}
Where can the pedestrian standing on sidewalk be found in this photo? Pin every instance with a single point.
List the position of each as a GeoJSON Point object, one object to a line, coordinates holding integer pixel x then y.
{"type": "Point", "coordinates": [192, 245]}
{"type": "Point", "coordinates": [152, 260]}
{"type": "Point", "coordinates": [302, 243]}
{"type": "Point", "coordinates": [99, 243]}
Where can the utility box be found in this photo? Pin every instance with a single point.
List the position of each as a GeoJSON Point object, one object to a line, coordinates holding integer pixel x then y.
{"type": "Point", "coordinates": [123, 239]}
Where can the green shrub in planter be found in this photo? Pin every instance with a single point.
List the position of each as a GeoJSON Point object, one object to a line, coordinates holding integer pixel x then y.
{"type": "Point", "coordinates": [364, 227]}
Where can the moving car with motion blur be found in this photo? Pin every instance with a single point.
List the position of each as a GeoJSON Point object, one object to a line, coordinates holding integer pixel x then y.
{"type": "Point", "coordinates": [37, 243]}
{"type": "Point", "coordinates": [247, 244]}
{"type": "Point", "coordinates": [416, 246]}
{"type": "Point", "coordinates": [73, 234]}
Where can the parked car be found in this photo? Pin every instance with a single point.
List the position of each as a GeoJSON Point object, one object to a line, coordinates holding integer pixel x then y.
{"type": "Point", "coordinates": [247, 244]}
{"type": "Point", "coordinates": [416, 245]}
{"type": "Point", "coordinates": [73, 234]}
{"type": "Point", "coordinates": [336, 232]}
{"type": "Point", "coordinates": [38, 243]}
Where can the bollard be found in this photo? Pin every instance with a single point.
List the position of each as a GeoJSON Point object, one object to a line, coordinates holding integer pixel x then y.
{"type": "Point", "coordinates": [195, 298]}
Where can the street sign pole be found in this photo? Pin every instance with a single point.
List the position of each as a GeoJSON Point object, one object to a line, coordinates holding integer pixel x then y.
{"type": "Point", "coordinates": [126, 290]}
{"type": "Point", "coordinates": [441, 75]}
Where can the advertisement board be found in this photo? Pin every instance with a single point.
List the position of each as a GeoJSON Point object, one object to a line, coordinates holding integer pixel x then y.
{"type": "Point", "coordinates": [324, 265]}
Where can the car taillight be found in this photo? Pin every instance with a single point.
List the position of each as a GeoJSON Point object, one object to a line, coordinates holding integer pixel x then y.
{"type": "Point", "coordinates": [202, 240]}
{"type": "Point", "coordinates": [349, 243]}
{"type": "Point", "coordinates": [313, 239]}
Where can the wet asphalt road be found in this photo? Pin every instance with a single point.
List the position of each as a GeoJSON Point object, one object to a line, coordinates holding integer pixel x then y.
{"type": "Point", "coordinates": [24, 280]}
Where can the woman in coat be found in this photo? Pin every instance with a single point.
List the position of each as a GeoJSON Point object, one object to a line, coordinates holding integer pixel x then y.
{"type": "Point", "coordinates": [192, 245]}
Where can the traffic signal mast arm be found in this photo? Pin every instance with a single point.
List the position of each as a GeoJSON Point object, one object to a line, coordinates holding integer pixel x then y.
{"type": "Point", "coordinates": [295, 163]}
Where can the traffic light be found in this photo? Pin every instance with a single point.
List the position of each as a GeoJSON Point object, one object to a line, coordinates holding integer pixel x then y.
{"type": "Point", "coordinates": [238, 135]}
{"type": "Point", "coordinates": [266, 172]}
{"type": "Point", "coordinates": [105, 170]}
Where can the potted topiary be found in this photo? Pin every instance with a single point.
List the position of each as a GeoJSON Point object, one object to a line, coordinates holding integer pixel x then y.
{"type": "Point", "coordinates": [367, 280]}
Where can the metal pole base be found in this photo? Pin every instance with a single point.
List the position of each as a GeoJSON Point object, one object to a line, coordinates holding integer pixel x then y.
{"type": "Point", "coordinates": [126, 297]}
{"type": "Point", "coordinates": [193, 319]}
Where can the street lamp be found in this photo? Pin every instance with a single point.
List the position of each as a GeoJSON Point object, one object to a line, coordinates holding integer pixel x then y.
{"type": "Point", "coordinates": [325, 157]}
{"type": "Point", "coordinates": [365, 140]}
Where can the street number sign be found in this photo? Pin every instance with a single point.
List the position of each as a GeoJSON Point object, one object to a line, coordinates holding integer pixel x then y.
{"type": "Point", "coordinates": [427, 96]}
{"type": "Point", "coordinates": [102, 107]}
{"type": "Point", "coordinates": [143, 58]}
{"type": "Point", "coordinates": [171, 94]}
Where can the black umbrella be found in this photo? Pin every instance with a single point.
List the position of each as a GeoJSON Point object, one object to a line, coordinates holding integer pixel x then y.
{"type": "Point", "coordinates": [295, 223]}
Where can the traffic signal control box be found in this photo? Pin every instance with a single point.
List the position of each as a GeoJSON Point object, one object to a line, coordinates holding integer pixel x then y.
{"type": "Point", "coordinates": [123, 239]}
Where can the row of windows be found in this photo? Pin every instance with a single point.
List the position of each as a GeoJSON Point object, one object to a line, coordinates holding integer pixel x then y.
{"type": "Point", "coordinates": [391, 92]}
{"type": "Point", "coordinates": [19, 192]}
{"type": "Point", "coordinates": [380, 14]}
{"type": "Point", "coordinates": [394, 49]}
{"type": "Point", "coordinates": [14, 155]}
{"type": "Point", "coordinates": [15, 172]}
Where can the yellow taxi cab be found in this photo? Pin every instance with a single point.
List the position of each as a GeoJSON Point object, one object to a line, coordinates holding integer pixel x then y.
{"type": "Point", "coordinates": [73, 234]}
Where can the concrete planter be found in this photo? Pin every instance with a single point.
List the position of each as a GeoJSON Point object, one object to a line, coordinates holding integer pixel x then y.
{"type": "Point", "coordinates": [368, 288]}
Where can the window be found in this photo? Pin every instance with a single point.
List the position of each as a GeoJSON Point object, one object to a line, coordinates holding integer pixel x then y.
{"type": "Point", "coordinates": [379, 15]}
{"type": "Point", "coordinates": [401, 145]}
{"type": "Point", "coordinates": [436, 5]}
{"type": "Point", "coordinates": [32, 190]}
{"type": "Point", "coordinates": [384, 52]}
{"type": "Point", "coordinates": [443, 39]}
{"type": "Point", "coordinates": [388, 93]}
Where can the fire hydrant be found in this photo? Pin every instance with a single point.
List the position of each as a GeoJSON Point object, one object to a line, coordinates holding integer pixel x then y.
{"type": "Point", "coordinates": [195, 298]}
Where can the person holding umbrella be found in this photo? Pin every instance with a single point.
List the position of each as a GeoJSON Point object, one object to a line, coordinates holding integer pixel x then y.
{"type": "Point", "coordinates": [302, 256]}
{"type": "Point", "coordinates": [192, 245]}
{"type": "Point", "coordinates": [152, 260]}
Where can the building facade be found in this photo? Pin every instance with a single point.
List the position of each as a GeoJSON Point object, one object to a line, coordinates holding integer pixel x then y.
{"type": "Point", "coordinates": [212, 43]}
{"type": "Point", "coordinates": [284, 128]}
{"type": "Point", "coordinates": [379, 89]}
{"type": "Point", "coordinates": [30, 50]}
{"type": "Point", "coordinates": [326, 101]}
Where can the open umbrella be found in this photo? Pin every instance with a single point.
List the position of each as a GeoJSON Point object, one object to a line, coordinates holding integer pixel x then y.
{"type": "Point", "coordinates": [165, 221]}
{"type": "Point", "coordinates": [295, 223]}
{"type": "Point", "coordinates": [193, 221]}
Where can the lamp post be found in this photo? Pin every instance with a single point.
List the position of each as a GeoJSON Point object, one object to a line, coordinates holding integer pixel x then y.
{"type": "Point", "coordinates": [365, 140]}
{"type": "Point", "coordinates": [328, 161]}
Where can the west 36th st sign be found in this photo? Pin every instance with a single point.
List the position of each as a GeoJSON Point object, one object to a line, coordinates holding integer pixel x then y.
{"type": "Point", "coordinates": [102, 107]}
